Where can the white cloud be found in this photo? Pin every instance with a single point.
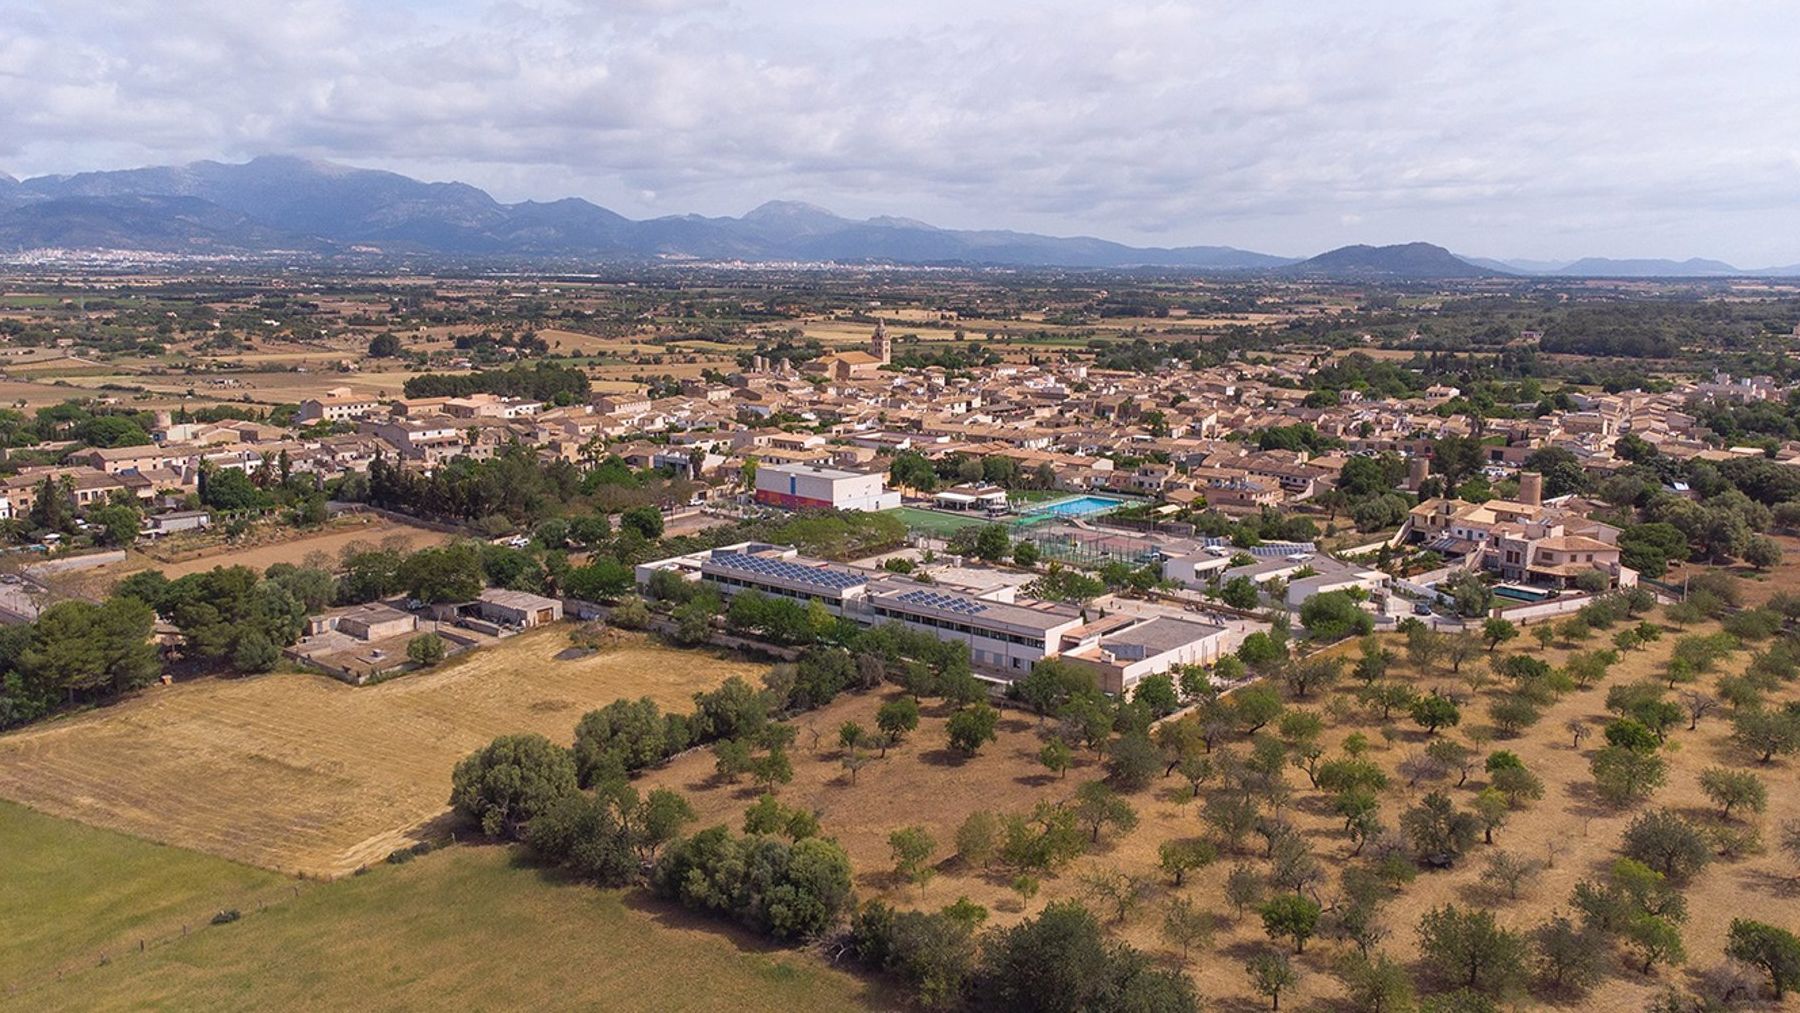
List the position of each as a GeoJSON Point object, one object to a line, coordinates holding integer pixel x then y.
{"type": "Point", "coordinates": [1519, 129]}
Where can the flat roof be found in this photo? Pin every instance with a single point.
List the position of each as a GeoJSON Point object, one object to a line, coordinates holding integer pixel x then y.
{"type": "Point", "coordinates": [374, 612]}
{"type": "Point", "coordinates": [953, 605]}
{"type": "Point", "coordinates": [515, 599]}
{"type": "Point", "coordinates": [811, 469]}
{"type": "Point", "coordinates": [821, 575]}
{"type": "Point", "coordinates": [1164, 633]}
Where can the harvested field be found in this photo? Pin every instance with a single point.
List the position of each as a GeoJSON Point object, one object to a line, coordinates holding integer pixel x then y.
{"type": "Point", "coordinates": [363, 527]}
{"type": "Point", "coordinates": [577, 343]}
{"type": "Point", "coordinates": [1569, 831]}
{"type": "Point", "coordinates": [475, 923]}
{"type": "Point", "coordinates": [301, 773]}
{"type": "Point", "coordinates": [38, 395]}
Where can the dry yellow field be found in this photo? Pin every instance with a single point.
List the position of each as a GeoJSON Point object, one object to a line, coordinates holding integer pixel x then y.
{"type": "Point", "coordinates": [577, 343]}
{"type": "Point", "coordinates": [174, 562]}
{"type": "Point", "coordinates": [303, 774]}
{"type": "Point", "coordinates": [38, 395]}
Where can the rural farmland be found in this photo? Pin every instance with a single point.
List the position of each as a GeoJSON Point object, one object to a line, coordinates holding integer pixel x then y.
{"type": "Point", "coordinates": [398, 938]}
{"type": "Point", "coordinates": [302, 774]}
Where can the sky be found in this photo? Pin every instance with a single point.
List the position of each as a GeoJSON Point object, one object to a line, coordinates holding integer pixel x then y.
{"type": "Point", "coordinates": [1541, 130]}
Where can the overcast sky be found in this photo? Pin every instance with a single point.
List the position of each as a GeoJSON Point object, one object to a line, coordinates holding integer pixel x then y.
{"type": "Point", "coordinates": [1534, 130]}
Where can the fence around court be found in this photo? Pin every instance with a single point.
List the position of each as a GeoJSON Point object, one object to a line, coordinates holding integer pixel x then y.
{"type": "Point", "coordinates": [1081, 547]}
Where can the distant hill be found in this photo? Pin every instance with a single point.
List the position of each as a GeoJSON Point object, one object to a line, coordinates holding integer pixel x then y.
{"type": "Point", "coordinates": [279, 203]}
{"type": "Point", "coordinates": [161, 224]}
{"type": "Point", "coordinates": [1604, 267]}
{"type": "Point", "coordinates": [1407, 261]}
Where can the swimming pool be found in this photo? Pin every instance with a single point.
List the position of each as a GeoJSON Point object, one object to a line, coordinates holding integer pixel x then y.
{"type": "Point", "coordinates": [1079, 506]}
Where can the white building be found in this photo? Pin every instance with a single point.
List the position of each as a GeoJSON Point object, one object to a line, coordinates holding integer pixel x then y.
{"type": "Point", "coordinates": [808, 486]}
{"type": "Point", "coordinates": [1005, 636]}
{"type": "Point", "coordinates": [340, 404]}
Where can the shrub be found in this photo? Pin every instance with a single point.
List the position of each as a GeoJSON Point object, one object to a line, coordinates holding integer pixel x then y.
{"type": "Point", "coordinates": [1438, 831]}
{"type": "Point", "coordinates": [1568, 960]}
{"type": "Point", "coordinates": [1513, 713]}
{"type": "Point", "coordinates": [1132, 761]}
{"type": "Point", "coordinates": [1062, 960]}
{"type": "Point", "coordinates": [626, 734]}
{"type": "Point", "coordinates": [504, 785]}
{"type": "Point", "coordinates": [1467, 949]}
{"type": "Point", "coordinates": [933, 952]}
{"type": "Point", "coordinates": [1734, 789]}
{"type": "Point", "coordinates": [1291, 916]}
{"type": "Point", "coordinates": [1434, 712]}
{"type": "Point", "coordinates": [1666, 843]}
{"type": "Point", "coordinates": [787, 890]}
{"type": "Point", "coordinates": [1775, 950]}
{"type": "Point", "coordinates": [972, 726]}
{"type": "Point", "coordinates": [1626, 776]}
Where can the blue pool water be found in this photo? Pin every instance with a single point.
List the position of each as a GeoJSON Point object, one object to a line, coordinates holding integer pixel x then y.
{"type": "Point", "coordinates": [1080, 506]}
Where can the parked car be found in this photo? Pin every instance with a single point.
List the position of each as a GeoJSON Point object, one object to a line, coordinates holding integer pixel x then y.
{"type": "Point", "coordinates": [1421, 609]}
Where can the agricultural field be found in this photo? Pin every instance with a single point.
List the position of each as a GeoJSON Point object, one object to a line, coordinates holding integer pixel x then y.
{"type": "Point", "coordinates": [1568, 835]}
{"type": "Point", "coordinates": [303, 774]}
{"type": "Point", "coordinates": [72, 892]}
{"type": "Point", "coordinates": [475, 923]}
{"type": "Point", "coordinates": [263, 548]}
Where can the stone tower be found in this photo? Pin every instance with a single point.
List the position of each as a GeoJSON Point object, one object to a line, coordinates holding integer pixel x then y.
{"type": "Point", "coordinates": [878, 343]}
{"type": "Point", "coordinates": [1531, 488]}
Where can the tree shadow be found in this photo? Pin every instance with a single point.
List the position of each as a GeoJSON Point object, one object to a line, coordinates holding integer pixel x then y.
{"type": "Point", "coordinates": [1774, 884]}
{"type": "Point", "coordinates": [1585, 802]}
{"type": "Point", "coordinates": [943, 756]}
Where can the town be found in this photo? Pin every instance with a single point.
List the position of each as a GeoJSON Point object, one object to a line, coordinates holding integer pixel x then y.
{"type": "Point", "coordinates": [1212, 615]}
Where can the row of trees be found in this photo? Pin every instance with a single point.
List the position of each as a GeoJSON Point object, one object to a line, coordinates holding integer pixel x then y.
{"type": "Point", "coordinates": [75, 652]}
{"type": "Point", "coordinates": [1060, 959]}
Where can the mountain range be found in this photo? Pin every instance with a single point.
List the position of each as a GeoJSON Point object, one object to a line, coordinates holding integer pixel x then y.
{"type": "Point", "coordinates": [279, 205]}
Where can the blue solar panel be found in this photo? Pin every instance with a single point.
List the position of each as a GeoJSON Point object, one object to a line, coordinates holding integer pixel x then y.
{"type": "Point", "coordinates": [817, 576]}
{"type": "Point", "coordinates": [946, 602]}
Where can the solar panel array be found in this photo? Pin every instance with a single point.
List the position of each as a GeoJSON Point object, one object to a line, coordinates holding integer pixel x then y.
{"type": "Point", "coordinates": [1268, 550]}
{"type": "Point", "coordinates": [817, 576]}
{"type": "Point", "coordinates": [947, 602]}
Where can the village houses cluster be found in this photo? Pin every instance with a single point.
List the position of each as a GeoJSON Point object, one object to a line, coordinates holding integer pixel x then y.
{"type": "Point", "coordinates": [1063, 423]}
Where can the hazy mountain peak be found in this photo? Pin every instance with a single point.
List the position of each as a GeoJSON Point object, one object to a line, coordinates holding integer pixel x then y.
{"type": "Point", "coordinates": [789, 210]}
{"type": "Point", "coordinates": [1651, 267]}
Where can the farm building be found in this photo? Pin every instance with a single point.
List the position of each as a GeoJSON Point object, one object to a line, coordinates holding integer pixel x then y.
{"type": "Point", "coordinates": [178, 520]}
{"type": "Point", "coordinates": [366, 622]}
{"type": "Point", "coordinates": [518, 608]}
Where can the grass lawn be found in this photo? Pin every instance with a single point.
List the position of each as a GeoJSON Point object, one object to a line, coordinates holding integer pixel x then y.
{"type": "Point", "coordinates": [471, 923]}
{"type": "Point", "coordinates": [71, 892]}
{"type": "Point", "coordinates": [933, 523]}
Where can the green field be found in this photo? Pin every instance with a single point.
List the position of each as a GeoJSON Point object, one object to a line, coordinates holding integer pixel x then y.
{"type": "Point", "coordinates": [933, 523]}
{"type": "Point", "coordinates": [69, 893]}
{"type": "Point", "coordinates": [471, 927]}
